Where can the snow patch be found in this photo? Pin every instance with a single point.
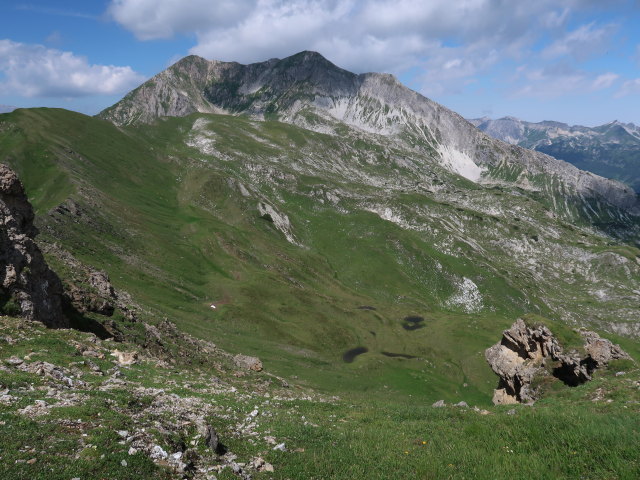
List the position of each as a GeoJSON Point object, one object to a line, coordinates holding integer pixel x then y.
{"type": "Point", "coordinates": [459, 162]}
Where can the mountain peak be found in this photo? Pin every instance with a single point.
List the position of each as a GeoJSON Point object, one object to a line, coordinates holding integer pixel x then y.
{"type": "Point", "coordinates": [307, 56]}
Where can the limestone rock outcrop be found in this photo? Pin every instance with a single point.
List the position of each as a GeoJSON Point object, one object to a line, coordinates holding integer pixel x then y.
{"type": "Point", "coordinates": [28, 287]}
{"type": "Point", "coordinates": [526, 355]}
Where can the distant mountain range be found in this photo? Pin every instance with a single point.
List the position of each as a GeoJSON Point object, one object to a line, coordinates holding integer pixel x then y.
{"type": "Point", "coordinates": [6, 108]}
{"type": "Point", "coordinates": [611, 150]}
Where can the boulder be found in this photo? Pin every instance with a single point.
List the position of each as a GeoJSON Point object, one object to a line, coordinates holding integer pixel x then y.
{"type": "Point", "coordinates": [247, 362]}
{"type": "Point", "coordinates": [601, 350]}
{"type": "Point", "coordinates": [527, 354]}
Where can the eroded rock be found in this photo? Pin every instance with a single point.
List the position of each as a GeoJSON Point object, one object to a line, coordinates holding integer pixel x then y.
{"type": "Point", "coordinates": [28, 287]}
{"type": "Point", "coordinates": [526, 355]}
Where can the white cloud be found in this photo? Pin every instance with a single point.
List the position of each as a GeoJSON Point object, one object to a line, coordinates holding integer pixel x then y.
{"type": "Point", "coordinates": [581, 43]}
{"type": "Point", "coordinates": [254, 30]}
{"type": "Point", "coordinates": [151, 19]}
{"type": "Point", "coordinates": [557, 80]}
{"type": "Point", "coordinates": [604, 81]}
{"type": "Point", "coordinates": [36, 71]}
{"type": "Point", "coordinates": [446, 43]}
{"type": "Point", "coordinates": [630, 87]}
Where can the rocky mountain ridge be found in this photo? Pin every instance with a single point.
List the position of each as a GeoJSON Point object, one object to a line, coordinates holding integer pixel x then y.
{"type": "Point", "coordinates": [309, 91]}
{"type": "Point", "coordinates": [611, 150]}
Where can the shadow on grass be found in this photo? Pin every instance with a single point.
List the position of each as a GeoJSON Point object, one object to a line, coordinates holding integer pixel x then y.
{"type": "Point", "coordinates": [84, 323]}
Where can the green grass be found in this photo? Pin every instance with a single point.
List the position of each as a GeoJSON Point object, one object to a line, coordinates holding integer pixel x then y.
{"type": "Point", "coordinates": [171, 227]}
{"type": "Point", "coordinates": [363, 434]}
{"type": "Point", "coordinates": [166, 223]}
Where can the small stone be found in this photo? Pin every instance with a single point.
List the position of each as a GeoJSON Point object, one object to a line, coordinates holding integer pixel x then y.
{"type": "Point", "coordinates": [14, 361]}
{"type": "Point", "coordinates": [32, 461]}
{"type": "Point", "coordinates": [125, 358]}
{"type": "Point", "coordinates": [439, 404]}
{"type": "Point", "coordinates": [511, 412]}
{"type": "Point", "coordinates": [123, 433]}
{"type": "Point", "coordinates": [281, 447]}
{"type": "Point", "coordinates": [257, 463]}
{"type": "Point", "coordinates": [123, 463]}
{"type": "Point", "coordinates": [132, 451]}
{"type": "Point", "coordinates": [462, 404]}
{"type": "Point", "coordinates": [158, 453]}
{"type": "Point", "coordinates": [284, 383]}
{"type": "Point", "coordinates": [619, 374]}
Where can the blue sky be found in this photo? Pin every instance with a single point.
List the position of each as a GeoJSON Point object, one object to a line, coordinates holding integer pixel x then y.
{"type": "Point", "coordinates": [576, 61]}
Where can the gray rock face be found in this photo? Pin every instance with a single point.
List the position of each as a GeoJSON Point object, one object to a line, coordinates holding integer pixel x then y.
{"type": "Point", "coordinates": [309, 91]}
{"type": "Point", "coordinates": [526, 354]}
{"type": "Point", "coordinates": [210, 436]}
{"type": "Point", "coordinates": [28, 287]}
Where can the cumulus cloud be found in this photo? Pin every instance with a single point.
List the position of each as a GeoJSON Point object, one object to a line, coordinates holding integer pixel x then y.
{"type": "Point", "coordinates": [251, 30]}
{"type": "Point", "coordinates": [630, 87]}
{"type": "Point", "coordinates": [584, 42]}
{"type": "Point", "coordinates": [449, 42]}
{"type": "Point", "coordinates": [36, 71]}
{"type": "Point", "coordinates": [151, 19]}
{"type": "Point", "coordinates": [559, 79]}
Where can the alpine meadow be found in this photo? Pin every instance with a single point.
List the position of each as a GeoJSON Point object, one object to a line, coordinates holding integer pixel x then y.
{"type": "Point", "coordinates": [285, 270]}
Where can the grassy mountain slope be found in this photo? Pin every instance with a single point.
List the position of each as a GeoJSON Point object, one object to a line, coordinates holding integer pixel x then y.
{"type": "Point", "coordinates": [170, 210]}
